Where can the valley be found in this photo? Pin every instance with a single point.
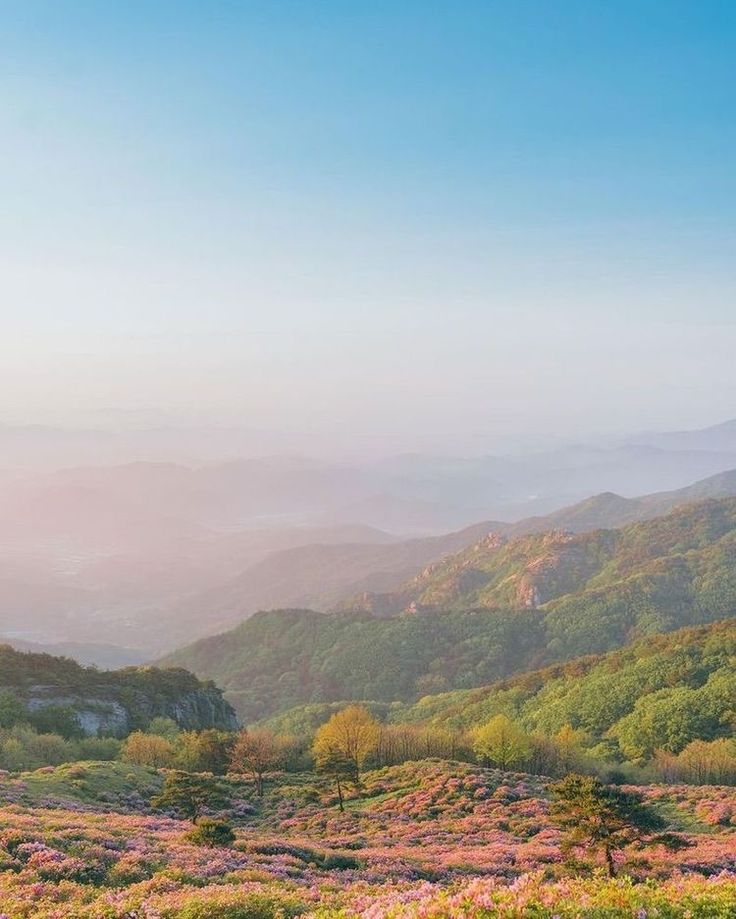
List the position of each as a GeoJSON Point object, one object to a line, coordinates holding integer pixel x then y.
{"type": "Point", "coordinates": [440, 736]}
{"type": "Point", "coordinates": [150, 556]}
{"type": "Point", "coordinates": [468, 620]}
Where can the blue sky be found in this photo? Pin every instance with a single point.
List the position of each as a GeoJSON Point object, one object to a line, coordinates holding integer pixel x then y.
{"type": "Point", "coordinates": [423, 223]}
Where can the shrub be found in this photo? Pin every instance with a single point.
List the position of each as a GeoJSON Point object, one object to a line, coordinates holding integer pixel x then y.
{"type": "Point", "coordinates": [99, 748]}
{"type": "Point", "coordinates": [12, 710]}
{"type": "Point", "coordinates": [164, 727]}
{"type": "Point", "coordinates": [57, 719]}
{"type": "Point", "coordinates": [190, 794]}
{"type": "Point", "coordinates": [147, 750]}
{"type": "Point", "coordinates": [338, 861]}
{"type": "Point", "coordinates": [211, 832]}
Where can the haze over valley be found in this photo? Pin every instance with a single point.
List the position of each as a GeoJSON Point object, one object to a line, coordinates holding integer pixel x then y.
{"type": "Point", "coordinates": [149, 555]}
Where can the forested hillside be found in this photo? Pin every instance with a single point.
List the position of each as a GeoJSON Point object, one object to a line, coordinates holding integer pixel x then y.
{"type": "Point", "coordinates": [482, 615]}
{"type": "Point", "coordinates": [659, 693]}
{"type": "Point", "coordinates": [667, 703]}
{"type": "Point", "coordinates": [593, 588]}
{"type": "Point", "coordinates": [281, 658]}
{"type": "Point", "coordinates": [326, 576]}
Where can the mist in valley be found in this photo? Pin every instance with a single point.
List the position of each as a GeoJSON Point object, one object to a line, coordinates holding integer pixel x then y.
{"type": "Point", "coordinates": [118, 562]}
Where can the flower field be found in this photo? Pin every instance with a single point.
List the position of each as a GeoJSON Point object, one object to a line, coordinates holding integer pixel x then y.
{"type": "Point", "coordinates": [427, 839]}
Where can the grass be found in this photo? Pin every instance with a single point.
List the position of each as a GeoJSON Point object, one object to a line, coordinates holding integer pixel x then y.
{"type": "Point", "coordinates": [86, 782]}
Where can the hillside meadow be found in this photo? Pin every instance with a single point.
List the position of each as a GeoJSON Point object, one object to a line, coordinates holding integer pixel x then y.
{"type": "Point", "coordinates": [425, 839]}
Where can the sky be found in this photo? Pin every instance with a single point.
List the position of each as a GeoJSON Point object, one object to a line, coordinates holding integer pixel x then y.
{"type": "Point", "coordinates": [423, 225]}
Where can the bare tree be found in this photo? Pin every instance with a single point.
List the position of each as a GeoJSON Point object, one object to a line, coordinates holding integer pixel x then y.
{"type": "Point", "coordinates": [256, 752]}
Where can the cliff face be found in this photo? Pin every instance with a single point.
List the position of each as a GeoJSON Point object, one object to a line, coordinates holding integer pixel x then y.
{"type": "Point", "coordinates": [103, 714]}
{"type": "Point", "coordinates": [193, 711]}
{"type": "Point", "coordinates": [203, 708]}
{"type": "Point", "coordinates": [116, 701]}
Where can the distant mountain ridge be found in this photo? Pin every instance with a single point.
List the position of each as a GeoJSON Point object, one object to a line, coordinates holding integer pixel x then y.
{"type": "Point", "coordinates": [330, 577]}
{"type": "Point", "coordinates": [315, 576]}
{"type": "Point", "coordinates": [106, 657]}
{"type": "Point", "coordinates": [716, 437]}
{"type": "Point", "coordinates": [609, 510]}
{"type": "Point", "coordinates": [150, 556]}
{"type": "Point", "coordinates": [495, 608]}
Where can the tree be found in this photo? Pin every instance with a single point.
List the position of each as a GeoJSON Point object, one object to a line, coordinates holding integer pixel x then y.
{"type": "Point", "coordinates": [210, 832]}
{"type": "Point", "coordinates": [13, 754]}
{"type": "Point", "coordinates": [501, 743]}
{"type": "Point", "coordinates": [49, 750]}
{"type": "Point", "coordinates": [667, 719]}
{"type": "Point", "coordinates": [350, 737]}
{"type": "Point", "coordinates": [99, 748]}
{"type": "Point", "coordinates": [215, 748]}
{"type": "Point", "coordinates": [56, 719]}
{"type": "Point", "coordinates": [570, 744]}
{"type": "Point", "coordinates": [190, 793]}
{"type": "Point", "coordinates": [333, 763]}
{"type": "Point", "coordinates": [203, 751]}
{"type": "Point", "coordinates": [604, 819]}
{"type": "Point", "coordinates": [147, 750]}
{"type": "Point", "coordinates": [399, 743]}
{"type": "Point", "coordinates": [186, 752]}
{"type": "Point", "coordinates": [714, 762]}
{"type": "Point", "coordinates": [255, 753]}
{"type": "Point", "coordinates": [701, 763]}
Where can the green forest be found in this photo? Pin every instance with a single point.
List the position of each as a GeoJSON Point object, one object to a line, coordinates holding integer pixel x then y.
{"type": "Point", "coordinates": [643, 705]}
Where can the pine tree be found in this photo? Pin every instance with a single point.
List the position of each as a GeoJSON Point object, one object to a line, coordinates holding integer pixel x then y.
{"type": "Point", "coordinates": [190, 793]}
{"type": "Point", "coordinates": [604, 819]}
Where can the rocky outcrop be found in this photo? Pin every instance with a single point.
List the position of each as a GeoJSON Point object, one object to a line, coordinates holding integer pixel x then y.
{"type": "Point", "coordinates": [205, 708]}
{"type": "Point", "coordinates": [490, 541]}
{"type": "Point", "coordinates": [497, 573]}
{"type": "Point", "coordinates": [192, 711]}
{"type": "Point", "coordinates": [527, 595]}
{"type": "Point", "coordinates": [95, 716]}
{"type": "Point", "coordinates": [110, 701]}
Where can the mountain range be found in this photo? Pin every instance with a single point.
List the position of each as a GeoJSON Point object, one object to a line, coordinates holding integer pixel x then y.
{"type": "Point", "coordinates": [493, 609]}
{"type": "Point", "coordinates": [152, 596]}
{"type": "Point", "coordinates": [325, 577]}
{"type": "Point", "coordinates": [151, 555]}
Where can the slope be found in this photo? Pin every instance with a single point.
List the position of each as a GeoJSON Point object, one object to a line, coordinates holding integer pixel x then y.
{"type": "Point", "coordinates": [325, 577]}
{"type": "Point", "coordinates": [659, 693]}
{"type": "Point", "coordinates": [474, 622]}
{"type": "Point", "coordinates": [669, 571]}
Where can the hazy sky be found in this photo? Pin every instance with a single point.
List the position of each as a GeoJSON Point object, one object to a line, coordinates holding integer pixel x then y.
{"type": "Point", "coordinates": [423, 221]}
